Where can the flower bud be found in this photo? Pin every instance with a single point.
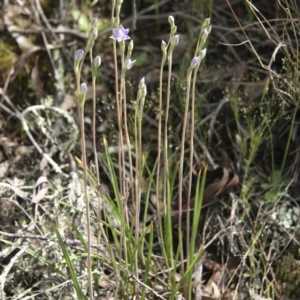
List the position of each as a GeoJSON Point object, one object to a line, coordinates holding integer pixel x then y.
{"type": "Point", "coordinates": [97, 61]}
{"type": "Point", "coordinates": [130, 46]}
{"type": "Point", "coordinates": [206, 23]}
{"type": "Point", "coordinates": [195, 61]}
{"type": "Point", "coordinates": [175, 40]}
{"type": "Point", "coordinates": [171, 20]}
{"type": "Point", "coordinates": [204, 35]}
{"type": "Point", "coordinates": [78, 55]}
{"type": "Point", "coordinates": [144, 91]}
{"type": "Point", "coordinates": [94, 34]}
{"type": "Point", "coordinates": [202, 53]}
{"type": "Point", "coordinates": [83, 88]}
{"type": "Point", "coordinates": [94, 23]}
{"type": "Point", "coordinates": [208, 29]}
{"type": "Point", "coordinates": [163, 46]}
{"type": "Point", "coordinates": [142, 83]}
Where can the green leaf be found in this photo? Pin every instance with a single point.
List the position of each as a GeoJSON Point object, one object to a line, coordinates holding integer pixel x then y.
{"type": "Point", "coordinates": [83, 243]}
{"type": "Point", "coordinates": [79, 293]}
{"type": "Point", "coordinates": [82, 20]}
{"type": "Point", "coordinates": [276, 176]}
{"type": "Point", "coordinates": [271, 195]}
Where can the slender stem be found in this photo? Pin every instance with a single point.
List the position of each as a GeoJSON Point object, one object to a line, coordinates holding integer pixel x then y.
{"type": "Point", "coordinates": [158, 183]}
{"type": "Point", "coordinates": [99, 196]}
{"type": "Point", "coordinates": [182, 149]}
{"type": "Point", "coordinates": [159, 132]}
{"type": "Point", "coordinates": [123, 91]}
{"type": "Point", "coordinates": [85, 180]}
{"type": "Point", "coordinates": [192, 131]}
{"type": "Point", "coordinates": [166, 152]}
{"type": "Point", "coordinates": [87, 205]}
{"type": "Point", "coordinates": [119, 115]}
{"type": "Point", "coordinates": [287, 147]}
{"type": "Point", "coordinates": [138, 157]}
{"type": "Point", "coordinates": [94, 119]}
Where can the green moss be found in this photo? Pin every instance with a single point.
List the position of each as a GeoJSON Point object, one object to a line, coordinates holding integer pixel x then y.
{"type": "Point", "coordinates": [7, 59]}
{"type": "Point", "coordinates": [288, 273]}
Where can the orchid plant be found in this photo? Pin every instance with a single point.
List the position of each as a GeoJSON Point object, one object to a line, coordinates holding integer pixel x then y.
{"type": "Point", "coordinates": [130, 183]}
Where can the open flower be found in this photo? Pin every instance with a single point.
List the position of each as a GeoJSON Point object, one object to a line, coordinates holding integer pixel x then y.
{"type": "Point", "coordinates": [128, 64]}
{"type": "Point", "coordinates": [120, 34]}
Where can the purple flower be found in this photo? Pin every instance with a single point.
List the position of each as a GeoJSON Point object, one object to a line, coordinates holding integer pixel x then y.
{"type": "Point", "coordinates": [128, 64]}
{"type": "Point", "coordinates": [120, 34]}
{"type": "Point", "coordinates": [195, 61]}
{"type": "Point", "coordinates": [83, 88]}
{"type": "Point", "coordinates": [78, 55]}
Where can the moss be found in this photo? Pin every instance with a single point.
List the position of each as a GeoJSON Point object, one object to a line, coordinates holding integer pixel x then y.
{"type": "Point", "coordinates": [8, 59]}
{"type": "Point", "coordinates": [288, 273]}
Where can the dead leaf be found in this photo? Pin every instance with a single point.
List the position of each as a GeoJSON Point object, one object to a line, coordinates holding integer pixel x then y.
{"type": "Point", "coordinates": [217, 182]}
{"type": "Point", "coordinates": [40, 189]}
